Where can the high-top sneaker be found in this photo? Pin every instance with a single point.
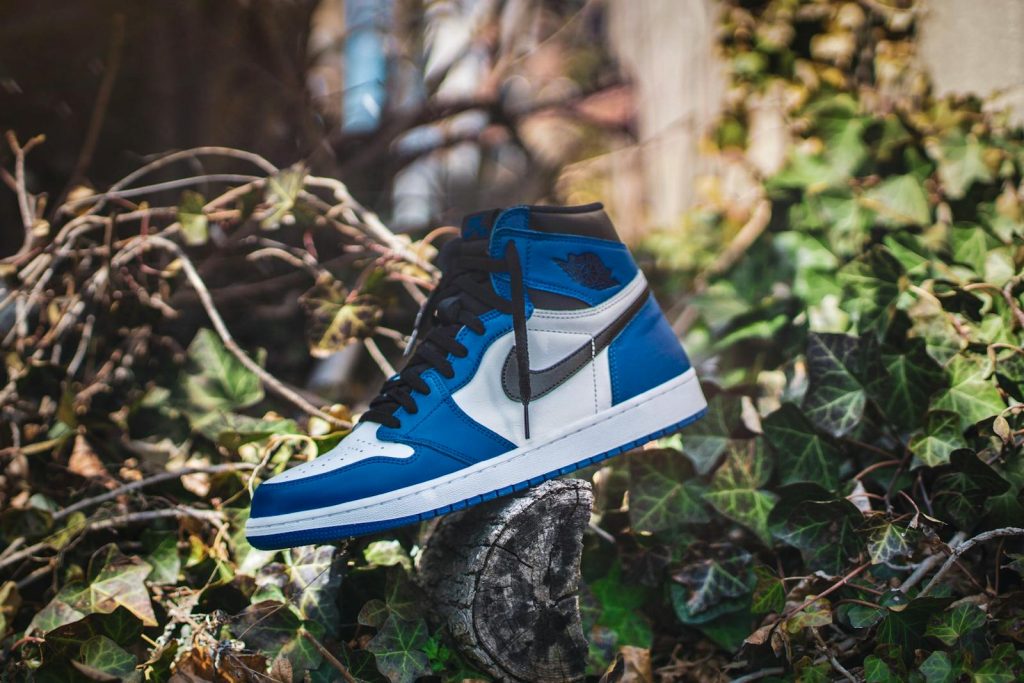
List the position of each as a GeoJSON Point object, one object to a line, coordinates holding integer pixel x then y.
{"type": "Point", "coordinates": [541, 351]}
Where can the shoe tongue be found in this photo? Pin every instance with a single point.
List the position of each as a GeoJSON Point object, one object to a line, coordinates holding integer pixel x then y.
{"type": "Point", "coordinates": [476, 226]}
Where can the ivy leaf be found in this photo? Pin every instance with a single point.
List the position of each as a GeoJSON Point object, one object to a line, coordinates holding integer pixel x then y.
{"type": "Point", "coordinates": [951, 626]}
{"type": "Point", "coordinates": [937, 668]}
{"type": "Point", "coordinates": [399, 648]}
{"type": "Point", "coordinates": [823, 527]}
{"type": "Point", "coordinates": [899, 201]}
{"type": "Point", "coordinates": [942, 435]}
{"type": "Point", "coordinates": [314, 577]}
{"type": "Point", "coordinates": [818, 613]}
{"type": "Point", "coordinates": [961, 162]}
{"type": "Point", "coordinates": [877, 671]}
{"type": "Point", "coordinates": [706, 440]}
{"type": "Point", "coordinates": [335, 318]}
{"type": "Point", "coordinates": [903, 383]}
{"type": "Point", "coordinates": [193, 220]}
{"type": "Point", "coordinates": [963, 486]}
{"type": "Point", "coordinates": [970, 395]}
{"type": "Point", "coordinates": [735, 488]}
{"type": "Point", "coordinates": [904, 629]}
{"type": "Point", "coordinates": [769, 592]}
{"type": "Point", "coordinates": [619, 609]}
{"type": "Point", "coordinates": [281, 192]}
{"type": "Point", "coordinates": [120, 626]}
{"type": "Point", "coordinates": [706, 589]}
{"type": "Point", "coordinates": [871, 285]}
{"type": "Point", "coordinates": [273, 628]}
{"type": "Point", "coordinates": [802, 453]}
{"type": "Point", "coordinates": [164, 560]}
{"type": "Point", "coordinates": [888, 542]}
{"type": "Point", "coordinates": [103, 655]}
{"type": "Point", "coordinates": [663, 492]}
{"type": "Point", "coordinates": [116, 582]}
{"type": "Point", "coordinates": [970, 246]}
{"type": "Point", "coordinates": [835, 398]}
{"type": "Point", "coordinates": [216, 381]}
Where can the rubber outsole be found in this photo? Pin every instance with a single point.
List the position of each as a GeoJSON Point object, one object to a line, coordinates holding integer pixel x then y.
{"type": "Point", "coordinates": [336, 533]}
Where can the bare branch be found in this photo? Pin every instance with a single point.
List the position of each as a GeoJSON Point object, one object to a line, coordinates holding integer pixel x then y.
{"type": "Point", "coordinates": [964, 547]}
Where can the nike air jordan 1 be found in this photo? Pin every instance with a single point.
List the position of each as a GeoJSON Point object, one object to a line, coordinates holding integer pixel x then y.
{"type": "Point", "coordinates": [540, 351]}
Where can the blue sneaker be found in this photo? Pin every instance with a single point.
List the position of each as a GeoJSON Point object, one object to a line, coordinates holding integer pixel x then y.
{"type": "Point", "coordinates": [540, 351]}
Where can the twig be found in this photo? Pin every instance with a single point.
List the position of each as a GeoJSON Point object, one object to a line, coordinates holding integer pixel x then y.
{"type": "Point", "coordinates": [331, 659]}
{"type": "Point", "coordinates": [831, 589]}
{"type": "Point", "coordinates": [149, 481]}
{"type": "Point", "coordinates": [964, 547]}
{"type": "Point", "coordinates": [840, 669]}
{"type": "Point", "coordinates": [229, 342]}
{"type": "Point", "coordinates": [99, 109]}
{"type": "Point", "coordinates": [748, 234]}
{"type": "Point", "coordinates": [177, 512]}
{"type": "Point", "coordinates": [28, 215]}
{"type": "Point", "coordinates": [758, 675]}
{"type": "Point", "coordinates": [382, 362]}
{"type": "Point", "coordinates": [157, 187]}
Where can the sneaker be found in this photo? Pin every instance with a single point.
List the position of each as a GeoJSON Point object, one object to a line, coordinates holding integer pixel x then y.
{"type": "Point", "coordinates": [540, 351]}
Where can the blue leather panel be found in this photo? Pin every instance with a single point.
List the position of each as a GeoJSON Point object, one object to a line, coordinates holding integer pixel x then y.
{"type": "Point", "coordinates": [646, 354]}
{"type": "Point", "coordinates": [365, 478]}
{"type": "Point", "coordinates": [540, 254]}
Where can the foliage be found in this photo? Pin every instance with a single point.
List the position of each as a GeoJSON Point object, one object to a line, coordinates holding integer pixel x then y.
{"type": "Point", "coordinates": [870, 338]}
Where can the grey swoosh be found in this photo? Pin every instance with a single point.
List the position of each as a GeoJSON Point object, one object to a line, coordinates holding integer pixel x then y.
{"type": "Point", "coordinates": [548, 379]}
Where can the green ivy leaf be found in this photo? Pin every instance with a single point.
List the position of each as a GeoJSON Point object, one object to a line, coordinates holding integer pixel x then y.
{"type": "Point", "coordinates": [164, 560]}
{"type": "Point", "coordinates": [193, 220]}
{"type": "Point", "coordinates": [273, 628]}
{"type": "Point", "coordinates": [802, 453]}
{"type": "Point", "coordinates": [937, 668]}
{"type": "Point", "coordinates": [215, 380]}
{"type": "Point", "coordinates": [335, 318]}
{"type": "Point", "coordinates": [400, 647]}
{"type": "Point", "coordinates": [835, 398]}
{"type": "Point", "coordinates": [961, 162]}
{"type": "Point", "coordinates": [735, 488]}
{"type": "Point", "coordinates": [902, 382]}
{"type": "Point", "coordinates": [708, 588]}
{"type": "Point", "coordinates": [619, 609]}
{"type": "Point", "coordinates": [824, 528]}
{"type": "Point", "coordinates": [942, 435]}
{"type": "Point", "coordinates": [888, 542]}
{"type": "Point", "coordinates": [970, 395]}
{"type": "Point", "coordinates": [899, 201]}
{"type": "Point", "coordinates": [963, 486]}
{"type": "Point", "coordinates": [877, 671]}
{"type": "Point", "coordinates": [103, 655]}
{"type": "Point", "coordinates": [281, 193]}
{"type": "Point", "coordinates": [704, 441]}
{"type": "Point", "coordinates": [769, 592]}
{"type": "Point", "coordinates": [951, 626]}
{"type": "Point", "coordinates": [663, 492]}
{"type": "Point", "coordinates": [817, 613]}
{"type": "Point", "coordinates": [905, 628]}
{"type": "Point", "coordinates": [314, 577]}
{"type": "Point", "coordinates": [871, 285]}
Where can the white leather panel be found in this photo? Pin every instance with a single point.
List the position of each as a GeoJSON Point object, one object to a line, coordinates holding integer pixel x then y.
{"type": "Point", "coordinates": [360, 444]}
{"type": "Point", "coordinates": [553, 335]}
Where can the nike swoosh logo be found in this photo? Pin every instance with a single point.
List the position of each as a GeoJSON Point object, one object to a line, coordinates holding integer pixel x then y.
{"type": "Point", "coordinates": [547, 380]}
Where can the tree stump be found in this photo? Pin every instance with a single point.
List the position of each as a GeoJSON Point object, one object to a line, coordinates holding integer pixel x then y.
{"type": "Point", "coordinates": [504, 575]}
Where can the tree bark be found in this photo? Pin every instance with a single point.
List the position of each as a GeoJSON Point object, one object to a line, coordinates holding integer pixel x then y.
{"type": "Point", "coordinates": [503, 577]}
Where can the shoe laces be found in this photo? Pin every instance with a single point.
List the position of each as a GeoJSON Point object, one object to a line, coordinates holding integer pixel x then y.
{"type": "Point", "coordinates": [463, 295]}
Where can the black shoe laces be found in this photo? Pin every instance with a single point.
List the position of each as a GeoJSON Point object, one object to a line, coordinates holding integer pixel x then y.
{"type": "Point", "coordinates": [463, 295]}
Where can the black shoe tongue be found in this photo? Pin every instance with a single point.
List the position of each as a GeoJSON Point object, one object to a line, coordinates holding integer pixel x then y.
{"type": "Point", "coordinates": [478, 225]}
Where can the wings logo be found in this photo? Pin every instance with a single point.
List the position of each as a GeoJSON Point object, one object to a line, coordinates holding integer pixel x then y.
{"type": "Point", "coordinates": [588, 269]}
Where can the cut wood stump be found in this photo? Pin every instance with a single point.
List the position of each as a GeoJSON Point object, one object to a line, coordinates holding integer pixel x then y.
{"type": "Point", "coordinates": [504, 577]}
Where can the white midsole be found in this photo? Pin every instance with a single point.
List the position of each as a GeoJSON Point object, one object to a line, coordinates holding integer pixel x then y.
{"type": "Point", "coordinates": [647, 413]}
